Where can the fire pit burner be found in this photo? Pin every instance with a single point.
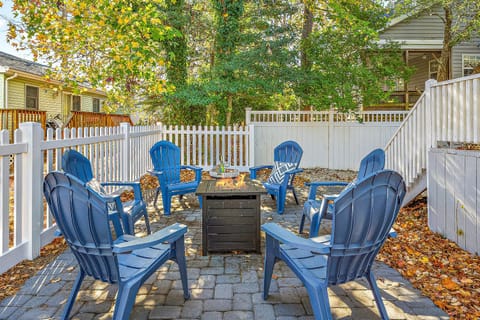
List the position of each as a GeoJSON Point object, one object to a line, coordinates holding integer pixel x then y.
{"type": "Point", "coordinates": [230, 214]}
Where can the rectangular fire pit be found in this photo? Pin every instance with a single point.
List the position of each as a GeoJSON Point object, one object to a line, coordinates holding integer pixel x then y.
{"type": "Point", "coordinates": [230, 214]}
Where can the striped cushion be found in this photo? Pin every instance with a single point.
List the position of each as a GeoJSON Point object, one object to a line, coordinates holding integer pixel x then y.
{"type": "Point", "coordinates": [278, 172]}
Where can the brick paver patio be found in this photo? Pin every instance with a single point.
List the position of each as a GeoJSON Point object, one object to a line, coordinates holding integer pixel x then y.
{"type": "Point", "coordinates": [223, 286]}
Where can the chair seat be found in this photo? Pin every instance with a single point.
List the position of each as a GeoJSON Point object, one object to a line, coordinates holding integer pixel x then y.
{"type": "Point", "coordinates": [184, 187]}
{"type": "Point", "coordinates": [307, 265]}
{"type": "Point", "coordinates": [271, 187]}
{"type": "Point", "coordinates": [139, 260]}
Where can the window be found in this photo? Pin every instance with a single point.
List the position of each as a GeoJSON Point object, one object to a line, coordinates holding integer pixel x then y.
{"type": "Point", "coordinates": [433, 69]}
{"type": "Point", "coordinates": [31, 98]}
{"type": "Point", "coordinates": [471, 63]}
{"type": "Point", "coordinates": [96, 105]}
{"type": "Point", "coordinates": [76, 103]}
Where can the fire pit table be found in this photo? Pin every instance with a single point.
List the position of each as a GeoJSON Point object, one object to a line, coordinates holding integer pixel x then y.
{"type": "Point", "coordinates": [230, 214]}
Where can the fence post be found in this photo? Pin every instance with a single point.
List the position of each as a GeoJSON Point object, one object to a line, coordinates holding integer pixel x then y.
{"type": "Point", "coordinates": [331, 137]}
{"type": "Point", "coordinates": [251, 145]}
{"type": "Point", "coordinates": [431, 114]}
{"type": "Point", "coordinates": [126, 156]}
{"type": "Point", "coordinates": [248, 112]}
{"type": "Point", "coordinates": [32, 178]}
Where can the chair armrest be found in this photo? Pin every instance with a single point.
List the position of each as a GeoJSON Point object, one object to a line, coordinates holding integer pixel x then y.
{"type": "Point", "coordinates": [315, 184]}
{"type": "Point", "coordinates": [253, 170]}
{"type": "Point", "coordinates": [295, 171]}
{"type": "Point", "coordinates": [137, 190]}
{"type": "Point", "coordinates": [198, 171]}
{"type": "Point", "coordinates": [167, 234]}
{"type": "Point", "coordinates": [284, 236]}
{"type": "Point", "coordinates": [159, 174]}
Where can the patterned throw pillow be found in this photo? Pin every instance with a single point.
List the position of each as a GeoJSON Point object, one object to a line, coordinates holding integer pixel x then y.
{"type": "Point", "coordinates": [278, 172]}
{"type": "Point", "coordinates": [96, 186]}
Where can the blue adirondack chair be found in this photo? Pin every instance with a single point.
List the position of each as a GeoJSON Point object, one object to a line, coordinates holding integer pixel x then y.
{"type": "Point", "coordinates": [372, 162]}
{"type": "Point", "coordinates": [286, 157]}
{"type": "Point", "coordinates": [82, 216]}
{"type": "Point", "coordinates": [166, 167]}
{"type": "Point", "coordinates": [75, 163]}
{"type": "Point", "coordinates": [362, 217]}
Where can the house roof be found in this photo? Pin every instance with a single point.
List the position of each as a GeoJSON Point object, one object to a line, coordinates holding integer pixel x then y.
{"type": "Point", "coordinates": [18, 64]}
{"type": "Point", "coordinates": [31, 70]}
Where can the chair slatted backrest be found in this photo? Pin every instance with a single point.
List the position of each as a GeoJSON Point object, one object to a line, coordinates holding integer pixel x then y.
{"type": "Point", "coordinates": [372, 162]}
{"type": "Point", "coordinates": [166, 157]}
{"type": "Point", "coordinates": [363, 216]}
{"type": "Point", "coordinates": [75, 163]}
{"type": "Point", "coordinates": [288, 151]}
{"type": "Point", "coordinates": [82, 217]}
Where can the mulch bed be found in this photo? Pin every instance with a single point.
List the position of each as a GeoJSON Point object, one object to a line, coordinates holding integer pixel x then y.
{"type": "Point", "coordinates": [439, 268]}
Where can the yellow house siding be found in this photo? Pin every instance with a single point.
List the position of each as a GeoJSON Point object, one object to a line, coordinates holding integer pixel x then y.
{"type": "Point", "coordinates": [16, 94]}
{"type": "Point", "coordinates": [2, 91]}
{"type": "Point", "coordinates": [48, 99]}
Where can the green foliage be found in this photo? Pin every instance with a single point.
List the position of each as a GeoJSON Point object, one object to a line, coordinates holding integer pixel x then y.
{"type": "Point", "coordinates": [110, 44]}
{"type": "Point", "coordinates": [204, 62]}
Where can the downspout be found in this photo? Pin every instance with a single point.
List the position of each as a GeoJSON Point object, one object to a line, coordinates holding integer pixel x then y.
{"type": "Point", "coordinates": [6, 88]}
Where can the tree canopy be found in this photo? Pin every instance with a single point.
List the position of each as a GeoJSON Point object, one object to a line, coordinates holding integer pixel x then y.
{"type": "Point", "coordinates": [205, 61]}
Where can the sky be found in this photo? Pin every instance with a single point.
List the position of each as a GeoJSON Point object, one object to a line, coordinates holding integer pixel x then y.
{"type": "Point", "coordinates": [5, 16]}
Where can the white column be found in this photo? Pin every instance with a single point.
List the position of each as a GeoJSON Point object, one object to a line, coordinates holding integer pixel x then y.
{"type": "Point", "coordinates": [32, 186]}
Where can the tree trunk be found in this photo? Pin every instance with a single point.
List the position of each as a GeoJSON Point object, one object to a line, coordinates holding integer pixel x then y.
{"type": "Point", "coordinates": [306, 32]}
{"type": "Point", "coordinates": [228, 116]}
{"type": "Point", "coordinates": [444, 60]}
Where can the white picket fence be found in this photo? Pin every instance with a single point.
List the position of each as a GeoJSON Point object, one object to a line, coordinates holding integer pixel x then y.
{"type": "Point", "coordinates": [120, 153]}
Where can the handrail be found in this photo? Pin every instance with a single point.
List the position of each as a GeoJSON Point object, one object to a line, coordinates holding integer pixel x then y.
{"type": "Point", "coordinates": [447, 111]}
{"type": "Point", "coordinates": [95, 119]}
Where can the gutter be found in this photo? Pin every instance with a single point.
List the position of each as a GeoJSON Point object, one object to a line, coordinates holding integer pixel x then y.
{"type": "Point", "coordinates": [6, 88]}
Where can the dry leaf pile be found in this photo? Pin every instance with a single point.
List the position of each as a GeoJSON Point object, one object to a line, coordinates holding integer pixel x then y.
{"type": "Point", "coordinates": [437, 266]}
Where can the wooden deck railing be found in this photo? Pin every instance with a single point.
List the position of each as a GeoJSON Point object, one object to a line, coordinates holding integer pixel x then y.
{"type": "Point", "coordinates": [11, 118]}
{"type": "Point", "coordinates": [94, 119]}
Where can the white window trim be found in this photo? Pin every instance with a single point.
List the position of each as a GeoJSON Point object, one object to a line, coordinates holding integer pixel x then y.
{"type": "Point", "coordinates": [38, 97]}
{"type": "Point", "coordinates": [463, 62]}
{"type": "Point", "coordinates": [80, 107]}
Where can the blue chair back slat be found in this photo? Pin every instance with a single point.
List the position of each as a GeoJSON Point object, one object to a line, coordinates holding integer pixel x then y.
{"type": "Point", "coordinates": [372, 162]}
{"type": "Point", "coordinates": [77, 164]}
{"type": "Point", "coordinates": [362, 218]}
{"type": "Point", "coordinates": [82, 216]}
{"type": "Point", "coordinates": [166, 157]}
{"type": "Point", "coordinates": [288, 151]}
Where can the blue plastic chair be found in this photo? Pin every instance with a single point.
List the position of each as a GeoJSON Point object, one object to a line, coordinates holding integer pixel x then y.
{"type": "Point", "coordinates": [82, 216]}
{"type": "Point", "coordinates": [362, 217]}
{"type": "Point", "coordinates": [371, 163]}
{"type": "Point", "coordinates": [75, 163]}
{"type": "Point", "coordinates": [166, 167]}
{"type": "Point", "coordinates": [286, 152]}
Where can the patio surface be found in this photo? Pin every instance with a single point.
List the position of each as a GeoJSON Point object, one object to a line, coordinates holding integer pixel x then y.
{"type": "Point", "coordinates": [222, 286]}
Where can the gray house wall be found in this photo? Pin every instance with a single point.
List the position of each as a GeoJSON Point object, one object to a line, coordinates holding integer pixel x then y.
{"type": "Point", "coordinates": [424, 33]}
{"type": "Point", "coordinates": [426, 27]}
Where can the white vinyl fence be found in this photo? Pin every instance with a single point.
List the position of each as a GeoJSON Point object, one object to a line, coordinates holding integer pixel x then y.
{"type": "Point", "coordinates": [454, 196]}
{"type": "Point", "coordinates": [328, 139]}
{"type": "Point", "coordinates": [120, 153]}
